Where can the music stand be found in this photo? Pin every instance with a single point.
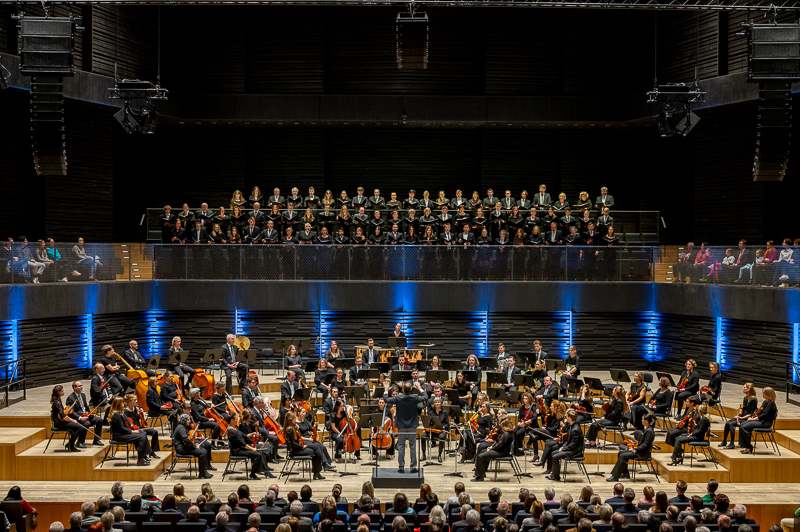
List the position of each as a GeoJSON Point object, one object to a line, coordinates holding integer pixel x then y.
{"type": "Point", "coordinates": [248, 356]}
{"type": "Point", "coordinates": [452, 396]}
{"type": "Point", "coordinates": [154, 361]}
{"type": "Point", "coordinates": [392, 360]}
{"type": "Point", "coordinates": [370, 421]}
{"type": "Point", "coordinates": [400, 375]}
{"type": "Point", "coordinates": [302, 394]}
{"type": "Point", "coordinates": [470, 376]}
{"type": "Point", "coordinates": [436, 376]}
{"type": "Point", "coordinates": [452, 365]}
{"type": "Point", "coordinates": [497, 394]}
{"type": "Point", "coordinates": [355, 392]}
{"type": "Point", "coordinates": [178, 357]}
{"type": "Point", "coordinates": [555, 365]}
{"type": "Point", "coordinates": [365, 410]}
{"type": "Point", "coordinates": [515, 396]}
{"type": "Point", "coordinates": [494, 377]}
{"type": "Point", "coordinates": [393, 342]}
{"type": "Point", "coordinates": [212, 359]}
{"type": "Point", "coordinates": [486, 362]}
{"type": "Point", "coordinates": [383, 367]}
{"type": "Point", "coordinates": [368, 374]}
{"type": "Point", "coordinates": [668, 376]}
{"type": "Point", "coordinates": [596, 385]}
{"type": "Point", "coordinates": [523, 381]}
{"type": "Point", "coordinates": [619, 375]}
{"type": "Point", "coordinates": [431, 423]}
{"type": "Point", "coordinates": [344, 363]}
{"type": "Point", "coordinates": [304, 345]}
{"type": "Point", "coordinates": [456, 414]}
{"type": "Point", "coordinates": [311, 366]}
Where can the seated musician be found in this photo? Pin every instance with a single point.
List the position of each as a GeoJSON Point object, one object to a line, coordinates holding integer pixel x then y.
{"type": "Point", "coordinates": [136, 416]}
{"type": "Point", "coordinates": [289, 386]}
{"type": "Point", "coordinates": [114, 370]}
{"type": "Point", "coordinates": [641, 451]}
{"type": "Point", "coordinates": [526, 421]}
{"type": "Point", "coordinates": [251, 391]}
{"type": "Point", "coordinates": [338, 379]}
{"type": "Point", "coordinates": [183, 444]}
{"type": "Point", "coordinates": [294, 362]}
{"type": "Point", "coordinates": [219, 400]}
{"type": "Point", "coordinates": [133, 357]}
{"type": "Point", "coordinates": [636, 401]}
{"type": "Point", "coordinates": [80, 414]}
{"type": "Point", "coordinates": [155, 405]}
{"type": "Point", "coordinates": [242, 446]}
{"type": "Point", "coordinates": [329, 404]}
{"type": "Point", "coordinates": [402, 364]}
{"type": "Point", "coordinates": [548, 392]}
{"type": "Point", "coordinates": [698, 433]}
{"type": "Point", "coordinates": [338, 417]}
{"type": "Point", "coordinates": [297, 447]}
{"type": "Point", "coordinates": [333, 352]}
{"type": "Point", "coordinates": [463, 388]}
{"type": "Point", "coordinates": [267, 431]}
{"type": "Point", "coordinates": [661, 401]}
{"type": "Point", "coordinates": [499, 448]}
{"type": "Point", "coordinates": [552, 426]}
{"type": "Point", "coordinates": [509, 372]}
{"type": "Point", "coordinates": [303, 425]}
{"type": "Point", "coordinates": [714, 387]}
{"type": "Point", "coordinates": [61, 421]}
{"type": "Point", "coordinates": [538, 373]}
{"type": "Point", "coordinates": [572, 449]}
{"type": "Point", "coordinates": [321, 375]}
{"type": "Point", "coordinates": [749, 405]}
{"type": "Point", "coordinates": [616, 409]}
{"type": "Point", "coordinates": [352, 374]}
{"type": "Point", "coordinates": [386, 412]}
{"type": "Point", "coordinates": [380, 388]}
{"type": "Point", "coordinates": [198, 413]}
{"type": "Point", "coordinates": [181, 370]}
{"type": "Point", "coordinates": [436, 393]}
{"type": "Point", "coordinates": [688, 385]}
{"type": "Point", "coordinates": [416, 383]}
{"type": "Point", "coordinates": [102, 386]}
{"type": "Point", "coordinates": [252, 436]}
{"type": "Point", "coordinates": [169, 390]}
{"type": "Point", "coordinates": [475, 386]}
{"type": "Point", "coordinates": [762, 418]}
{"type": "Point", "coordinates": [680, 428]}
{"type": "Point", "coordinates": [585, 404]}
{"type": "Point", "coordinates": [444, 418]}
{"type": "Point", "coordinates": [479, 428]}
{"type": "Point", "coordinates": [573, 370]}
{"type": "Point", "coordinates": [122, 430]}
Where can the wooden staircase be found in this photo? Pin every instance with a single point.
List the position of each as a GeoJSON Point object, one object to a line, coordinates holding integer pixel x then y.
{"type": "Point", "coordinates": [137, 261]}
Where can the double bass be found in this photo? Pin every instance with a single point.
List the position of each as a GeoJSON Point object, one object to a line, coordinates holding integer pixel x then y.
{"type": "Point", "coordinates": [132, 374]}
{"type": "Point", "coordinates": [347, 426]}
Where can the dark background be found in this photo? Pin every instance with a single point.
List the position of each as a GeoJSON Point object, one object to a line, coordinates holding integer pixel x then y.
{"type": "Point", "coordinates": [702, 184]}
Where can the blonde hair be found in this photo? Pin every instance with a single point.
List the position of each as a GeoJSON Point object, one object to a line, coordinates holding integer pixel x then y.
{"type": "Point", "coordinates": [770, 394]}
{"type": "Point", "coordinates": [751, 389]}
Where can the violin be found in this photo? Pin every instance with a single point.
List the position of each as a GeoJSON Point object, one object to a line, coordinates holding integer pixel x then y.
{"type": "Point", "coordinates": [606, 406]}
{"type": "Point", "coordinates": [685, 420]}
{"type": "Point", "coordinates": [129, 423]}
{"type": "Point", "coordinates": [578, 408]}
{"type": "Point", "coordinates": [704, 389]}
{"type": "Point", "coordinates": [474, 422]}
{"type": "Point", "coordinates": [542, 406]}
{"type": "Point", "coordinates": [682, 385]}
{"type": "Point", "coordinates": [255, 435]}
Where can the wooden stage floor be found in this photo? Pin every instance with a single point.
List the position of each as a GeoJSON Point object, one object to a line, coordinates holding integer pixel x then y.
{"type": "Point", "coordinates": [768, 484]}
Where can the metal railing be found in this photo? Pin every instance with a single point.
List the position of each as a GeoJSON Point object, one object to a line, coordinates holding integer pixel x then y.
{"type": "Point", "coordinates": [403, 263]}
{"type": "Point", "coordinates": [12, 379]}
{"type": "Point", "coordinates": [756, 266]}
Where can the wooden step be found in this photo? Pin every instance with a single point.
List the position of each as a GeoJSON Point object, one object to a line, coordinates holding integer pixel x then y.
{"type": "Point", "coordinates": [789, 439]}
{"type": "Point", "coordinates": [764, 466]}
{"type": "Point", "coordinates": [13, 441]}
{"type": "Point", "coordinates": [699, 473]}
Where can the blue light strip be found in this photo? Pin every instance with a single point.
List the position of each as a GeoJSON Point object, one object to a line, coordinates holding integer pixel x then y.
{"type": "Point", "coordinates": [796, 347]}
{"type": "Point", "coordinates": [15, 340]}
{"type": "Point", "coordinates": [236, 323]}
{"type": "Point", "coordinates": [89, 339]}
{"type": "Point", "coordinates": [485, 325]}
{"type": "Point", "coordinates": [720, 356]}
{"type": "Point", "coordinates": [569, 332]}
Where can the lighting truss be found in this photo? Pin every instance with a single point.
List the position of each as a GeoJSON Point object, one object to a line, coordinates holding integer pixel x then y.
{"type": "Point", "coordinates": [134, 89]}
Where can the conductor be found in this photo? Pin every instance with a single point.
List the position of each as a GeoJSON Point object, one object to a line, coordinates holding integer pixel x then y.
{"type": "Point", "coordinates": [229, 363]}
{"type": "Point", "coordinates": [406, 421]}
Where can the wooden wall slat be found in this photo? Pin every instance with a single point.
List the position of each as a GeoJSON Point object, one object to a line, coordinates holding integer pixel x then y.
{"type": "Point", "coordinates": [55, 349]}
{"type": "Point", "coordinates": [129, 34]}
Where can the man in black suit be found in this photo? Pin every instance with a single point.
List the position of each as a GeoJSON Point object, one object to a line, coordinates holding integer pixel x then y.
{"type": "Point", "coordinates": [270, 235]}
{"type": "Point", "coordinates": [604, 222]}
{"type": "Point", "coordinates": [542, 200]}
{"type": "Point", "coordinates": [744, 256]}
{"type": "Point", "coordinates": [509, 372]}
{"type": "Point", "coordinates": [466, 238]}
{"type": "Point", "coordinates": [307, 236]}
{"type": "Point", "coordinates": [80, 413]}
{"type": "Point", "coordinates": [119, 381]}
{"type": "Point", "coordinates": [276, 198]}
{"type": "Point", "coordinates": [258, 214]}
{"type": "Point", "coordinates": [370, 354]}
{"type": "Point", "coordinates": [553, 236]}
{"type": "Point", "coordinates": [406, 421]}
{"type": "Point", "coordinates": [572, 449]}
{"type": "Point", "coordinates": [352, 373]}
{"type": "Point", "coordinates": [290, 218]}
{"type": "Point", "coordinates": [133, 357]}
{"type": "Point", "coordinates": [604, 198]}
{"type": "Point", "coordinates": [251, 233]}
{"type": "Point", "coordinates": [642, 452]}
{"type": "Point", "coordinates": [101, 385]}
{"type": "Point", "coordinates": [394, 237]}
{"type": "Point", "coordinates": [198, 235]}
{"type": "Point", "coordinates": [617, 499]}
{"type": "Point", "coordinates": [537, 350]}
{"type": "Point", "coordinates": [591, 238]}
{"type": "Point", "coordinates": [229, 363]}
{"type": "Point", "coordinates": [289, 386]}
{"type": "Point", "coordinates": [508, 202]}
{"type": "Point", "coordinates": [447, 238]}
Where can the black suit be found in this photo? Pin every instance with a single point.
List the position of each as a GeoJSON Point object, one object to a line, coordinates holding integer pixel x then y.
{"type": "Point", "coordinates": [229, 352]}
{"type": "Point", "coordinates": [134, 358]}
{"type": "Point", "coordinates": [80, 409]}
{"type": "Point", "coordinates": [250, 234]}
{"type": "Point", "coordinates": [572, 449]}
{"type": "Point", "coordinates": [287, 389]}
{"type": "Point", "coordinates": [96, 394]}
{"type": "Point", "coordinates": [643, 449]}
{"type": "Point", "coordinates": [200, 236]}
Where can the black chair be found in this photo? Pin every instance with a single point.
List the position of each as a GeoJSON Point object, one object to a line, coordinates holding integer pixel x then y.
{"type": "Point", "coordinates": [230, 467]}
{"type": "Point", "coordinates": [137, 517]}
{"type": "Point", "coordinates": [236, 527]}
{"type": "Point", "coordinates": [127, 526]}
{"type": "Point", "coordinates": [510, 459]}
{"type": "Point", "coordinates": [181, 458]}
{"type": "Point", "coordinates": [578, 461]}
{"type": "Point", "coordinates": [15, 515]}
{"type": "Point", "coordinates": [121, 504]}
{"type": "Point", "coordinates": [291, 461]}
{"type": "Point", "coordinates": [151, 421]}
{"type": "Point", "coordinates": [766, 434]}
{"type": "Point", "coordinates": [113, 447]}
{"type": "Point", "coordinates": [650, 468]}
{"type": "Point", "coordinates": [167, 517]}
{"type": "Point", "coordinates": [53, 432]}
{"type": "Point", "coordinates": [269, 360]}
{"type": "Point", "coordinates": [705, 446]}
{"type": "Point", "coordinates": [183, 506]}
{"type": "Point", "coordinates": [191, 527]}
{"type": "Point", "coordinates": [214, 506]}
{"type": "Point", "coordinates": [156, 526]}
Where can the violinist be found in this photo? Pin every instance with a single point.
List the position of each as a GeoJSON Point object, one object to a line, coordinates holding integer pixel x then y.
{"type": "Point", "coordinates": [220, 401]}
{"type": "Point", "coordinates": [183, 444]}
{"type": "Point", "coordinates": [526, 417]}
{"type": "Point", "coordinates": [260, 412]}
{"type": "Point", "coordinates": [498, 448]}
{"type": "Point", "coordinates": [320, 377]}
{"type": "Point", "coordinates": [198, 407]}
{"type": "Point", "coordinates": [251, 391]}
{"type": "Point", "coordinates": [299, 448]}
{"type": "Point", "coordinates": [688, 385]}
{"type": "Point", "coordinates": [102, 385]}
{"type": "Point", "coordinates": [585, 402]}
{"type": "Point", "coordinates": [616, 409]}
{"type": "Point", "coordinates": [444, 418]}
{"type": "Point", "coordinates": [246, 433]}
{"type": "Point", "coordinates": [320, 451]}
{"type": "Point", "coordinates": [661, 401]}
{"type": "Point", "coordinates": [573, 447]}
{"type": "Point", "coordinates": [80, 413]}
{"type": "Point", "coordinates": [573, 362]}
{"type": "Point", "coordinates": [749, 405]}
{"type": "Point", "coordinates": [387, 424]}
{"type": "Point", "coordinates": [155, 405]}
{"type": "Point", "coordinates": [180, 370]}
{"type": "Point", "coordinates": [555, 427]}
{"type": "Point", "coordinates": [714, 387]}
{"type": "Point", "coordinates": [680, 428]}
{"type": "Point", "coordinates": [696, 433]}
{"type": "Point", "coordinates": [480, 427]}
{"type": "Point", "coordinates": [337, 416]}
{"type": "Point", "coordinates": [636, 401]}
{"type": "Point", "coordinates": [764, 417]}
{"type": "Point", "coordinates": [169, 390]}
{"type": "Point", "coordinates": [122, 430]}
{"type": "Point", "coordinates": [136, 416]}
{"type": "Point", "coordinates": [641, 451]}
{"type": "Point", "coordinates": [61, 421]}
{"type": "Point", "coordinates": [463, 388]}
{"type": "Point", "coordinates": [474, 385]}
{"type": "Point", "coordinates": [329, 403]}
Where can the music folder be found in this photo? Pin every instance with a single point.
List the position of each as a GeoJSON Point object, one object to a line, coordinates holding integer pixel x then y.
{"type": "Point", "coordinates": [393, 342]}
{"type": "Point", "coordinates": [497, 394]}
{"type": "Point", "coordinates": [212, 356]}
{"type": "Point", "coordinates": [619, 375]}
{"type": "Point", "coordinates": [452, 395]}
{"type": "Point", "coordinates": [495, 377]}
{"type": "Point", "coordinates": [302, 394]}
{"type": "Point", "coordinates": [436, 376]}
{"type": "Point", "coordinates": [153, 362]}
{"type": "Point", "coordinates": [470, 376]}
{"type": "Point", "coordinates": [555, 365]}
{"type": "Point", "coordinates": [520, 379]}
{"type": "Point", "coordinates": [367, 374]}
{"type": "Point", "coordinates": [178, 357]}
{"type": "Point", "coordinates": [401, 375]}
{"type": "Point", "coordinates": [668, 376]}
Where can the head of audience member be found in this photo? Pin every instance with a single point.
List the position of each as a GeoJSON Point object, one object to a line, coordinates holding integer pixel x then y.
{"type": "Point", "coordinates": [722, 503]}
{"type": "Point", "coordinates": [135, 505]}
{"type": "Point", "coordinates": [400, 503]}
{"type": "Point", "coordinates": [108, 521]}
{"type": "Point", "coordinates": [549, 494]}
{"type": "Point", "coordinates": [617, 520]}
{"type": "Point", "coordinates": [672, 513]}
{"type": "Point", "coordinates": [473, 519]}
{"type": "Point", "coordinates": [648, 493]}
{"type": "Point", "coordinates": [586, 494]}
{"type": "Point", "coordinates": [696, 504]}
{"type": "Point", "coordinates": [363, 520]}
{"type": "Point", "coordinates": [605, 512]}
{"type": "Point", "coordinates": [494, 495]}
{"type": "Point", "coordinates": [75, 519]}
{"type": "Point", "coordinates": [500, 523]}
{"type": "Point", "coordinates": [431, 501]}
{"type": "Point", "coordinates": [746, 528]}
{"type": "Point", "coordinates": [595, 500]}
{"type": "Point", "coordinates": [619, 489]}
{"type": "Point", "coordinates": [200, 502]}
{"type": "Point", "coordinates": [724, 522]}
{"type": "Point", "coordinates": [690, 523]}
{"type": "Point", "coordinates": [193, 513]}
{"type": "Point", "coordinates": [502, 509]}
{"type": "Point", "coordinates": [56, 526]}
{"type": "Point", "coordinates": [254, 520]}
{"type": "Point", "coordinates": [628, 495]}
{"type": "Point", "coordinates": [662, 501]}
{"type": "Point", "coordinates": [296, 508]}
{"type": "Point", "coordinates": [680, 487]}
{"type": "Point", "coordinates": [87, 508]}
{"type": "Point", "coordinates": [103, 504]}
{"type": "Point", "coordinates": [707, 516]}
{"type": "Point", "coordinates": [221, 519]}
{"type": "Point", "coordinates": [565, 500]}
{"type": "Point", "coordinates": [169, 502]}
{"type": "Point", "coordinates": [365, 503]}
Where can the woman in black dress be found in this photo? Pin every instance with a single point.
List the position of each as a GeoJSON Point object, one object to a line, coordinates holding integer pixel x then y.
{"type": "Point", "coordinates": [616, 409]}
{"type": "Point", "coordinates": [376, 238]}
{"type": "Point", "coordinates": [61, 421]}
{"type": "Point", "coordinates": [585, 405]}
{"type": "Point", "coordinates": [411, 222]}
{"type": "Point", "coordinates": [714, 387]}
{"type": "Point", "coordinates": [377, 222]}
{"type": "Point", "coordinates": [274, 216]}
{"type": "Point", "coordinates": [122, 430]}
{"type": "Point", "coordinates": [359, 239]}
{"type": "Point", "coordinates": [411, 238]}
{"type": "Point", "coordinates": [762, 418]}
{"type": "Point", "coordinates": [475, 201]}
{"type": "Point", "coordinates": [749, 405]}
{"type": "Point", "coordinates": [515, 220]}
{"type": "Point", "coordinates": [661, 401]}
{"type": "Point", "coordinates": [698, 433]}
{"type": "Point", "coordinates": [324, 237]}
{"type": "Point", "coordinates": [636, 402]}
{"type": "Point", "coordinates": [255, 197]}
{"type": "Point", "coordinates": [463, 388]}
{"type": "Point", "coordinates": [688, 385]}
{"type": "Point", "coordinates": [344, 220]}
{"type": "Point", "coordinates": [526, 421]}
{"type": "Point", "coordinates": [298, 448]}
{"type": "Point", "coordinates": [343, 200]}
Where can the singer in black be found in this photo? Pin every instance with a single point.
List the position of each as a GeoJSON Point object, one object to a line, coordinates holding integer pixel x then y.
{"type": "Point", "coordinates": [185, 445]}
{"type": "Point", "coordinates": [642, 450]}
{"type": "Point", "coordinates": [80, 413]}
{"type": "Point", "coordinates": [229, 363]}
{"type": "Point", "coordinates": [62, 421]}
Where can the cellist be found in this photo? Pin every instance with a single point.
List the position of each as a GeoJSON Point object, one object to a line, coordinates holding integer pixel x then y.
{"type": "Point", "coordinates": [304, 428]}
{"type": "Point", "coordinates": [337, 416]}
{"type": "Point", "coordinates": [387, 424]}
{"type": "Point", "coordinates": [199, 417]}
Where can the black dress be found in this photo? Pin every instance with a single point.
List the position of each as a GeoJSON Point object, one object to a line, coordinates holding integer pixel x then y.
{"type": "Point", "coordinates": [76, 431]}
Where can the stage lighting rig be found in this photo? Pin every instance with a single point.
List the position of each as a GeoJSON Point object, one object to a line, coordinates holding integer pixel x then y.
{"type": "Point", "coordinates": [134, 89]}
{"type": "Point", "coordinates": [670, 95]}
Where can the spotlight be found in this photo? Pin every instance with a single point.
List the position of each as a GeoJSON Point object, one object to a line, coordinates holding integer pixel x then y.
{"type": "Point", "coordinates": [665, 123]}
{"type": "Point", "coordinates": [150, 119]}
{"type": "Point", "coordinates": [125, 118]}
{"type": "Point", "coordinates": [687, 123]}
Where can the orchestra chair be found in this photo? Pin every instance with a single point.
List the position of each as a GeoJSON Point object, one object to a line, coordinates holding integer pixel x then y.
{"type": "Point", "coordinates": [53, 431]}
{"type": "Point", "coordinates": [767, 435]}
{"type": "Point", "coordinates": [664, 421]}
{"type": "Point", "coordinates": [151, 421]}
{"type": "Point", "coordinates": [156, 526]}
{"type": "Point", "coordinates": [230, 467]}
{"type": "Point", "coordinates": [181, 458]}
{"type": "Point", "coordinates": [705, 446]}
{"type": "Point", "coordinates": [614, 429]}
{"type": "Point", "coordinates": [305, 466]}
{"type": "Point", "coordinates": [717, 406]}
{"type": "Point", "coordinates": [510, 459]}
{"type": "Point", "coordinates": [579, 462]}
{"type": "Point", "coordinates": [268, 359]}
{"type": "Point", "coordinates": [633, 462]}
{"type": "Point", "coordinates": [647, 379]}
{"type": "Point", "coordinates": [114, 446]}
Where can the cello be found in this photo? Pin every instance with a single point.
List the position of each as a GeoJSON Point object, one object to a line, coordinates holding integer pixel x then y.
{"type": "Point", "coordinates": [384, 440]}
{"type": "Point", "coordinates": [347, 426]}
{"type": "Point", "coordinates": [204, 381]}
{"type": "Point", "coordinates": [141, 384]}
{"type": "Point", "coordinates": [272, 426]}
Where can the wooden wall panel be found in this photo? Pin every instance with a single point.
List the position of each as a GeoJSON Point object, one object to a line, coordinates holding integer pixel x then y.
{"type": "Point", "coordinates": [680, 338]}
{"type": "Point", "coordinates": [619, 341]}
{"type": "Point", "coordinates": [756, 352]}
{"type": "Point", "coordinates": [285, 158]}
{"type": "Point", "coordinates": [518, 331]}
{"type": "Point", "coordinates": [118, 330]}
{"type": "Point", "coordinates": [519, 160]}
{"type": "Point", "coordinates": [55, 349]}
{"type": "Point", "coordinates": [456, 334]}
{"type": "Point", "coordinates": [262, 327]}
{"type": "Point", "coordinates": [127, 35]}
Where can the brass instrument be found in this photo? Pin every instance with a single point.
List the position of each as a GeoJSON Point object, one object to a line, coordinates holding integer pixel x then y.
{"type": "Point", "coordinates": [242, 342]}
{"type": "Point", "coordinates": [569, 369]}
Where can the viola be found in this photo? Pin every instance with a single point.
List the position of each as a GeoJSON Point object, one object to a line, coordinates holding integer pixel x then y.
{"type": "Point", "coordinates": [682, 385]}
{"type": "Point", "coordinates": [272, 426]}
{"type": "Point", "coordinates": [578, 408]}
{"type": "Point", "coordinates": [606, 406]}
{"type": "Point", "coordinates": [684, 421]}
{"type": "Point", "coordinates": [542, 406]}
